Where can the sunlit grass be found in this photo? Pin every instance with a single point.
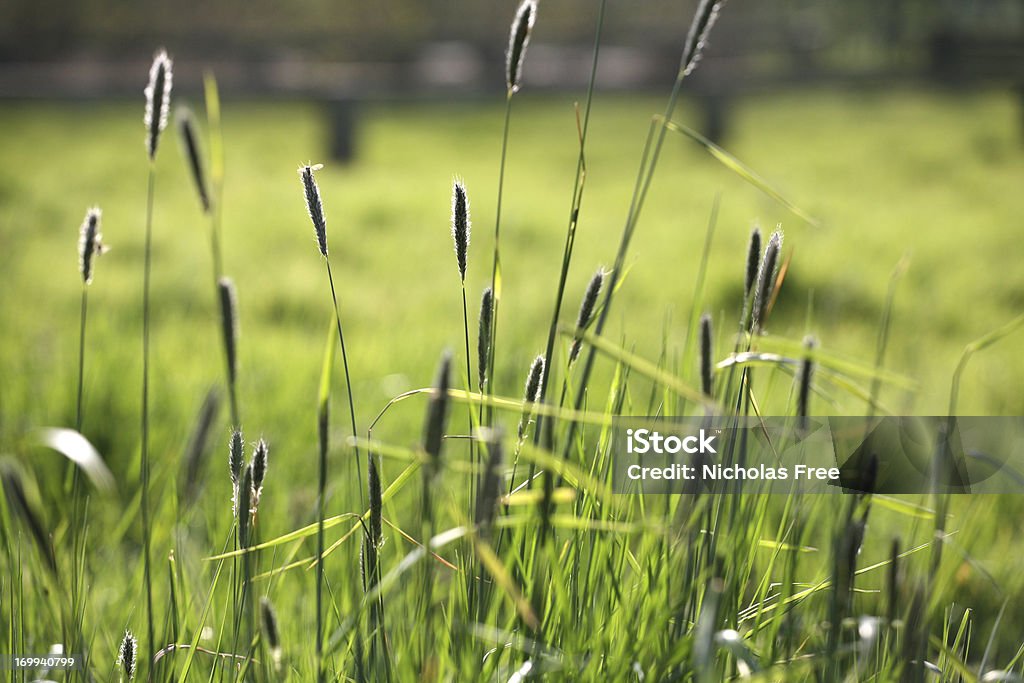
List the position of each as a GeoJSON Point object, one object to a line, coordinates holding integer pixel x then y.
{"type": "Point", "coordinates": [887, 175]}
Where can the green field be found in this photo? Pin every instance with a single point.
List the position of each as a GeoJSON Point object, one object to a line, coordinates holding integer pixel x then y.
{"type": "Point", "coordinates": [935, 177]}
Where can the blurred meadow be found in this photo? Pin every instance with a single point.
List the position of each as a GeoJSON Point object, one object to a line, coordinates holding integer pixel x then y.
{"type": "Point", "coordinates": [929, 176]}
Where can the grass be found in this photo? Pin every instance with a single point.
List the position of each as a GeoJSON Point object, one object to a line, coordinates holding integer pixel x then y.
{"type": "Point", "coordinates": [958, 169]}
{"type": "Point", "coordinates": [930, 174]}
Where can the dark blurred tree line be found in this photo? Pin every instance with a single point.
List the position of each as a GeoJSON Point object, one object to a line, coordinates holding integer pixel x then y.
{"type": "Point", "coordinates": [395, 30]}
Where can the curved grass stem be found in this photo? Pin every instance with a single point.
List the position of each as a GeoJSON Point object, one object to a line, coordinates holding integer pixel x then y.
{"type": "Point", "coordinates": [348, 383]}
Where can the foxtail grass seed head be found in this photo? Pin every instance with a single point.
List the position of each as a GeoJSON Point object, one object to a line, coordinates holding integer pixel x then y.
{"type": "Point", "coordinates": [236, 457]}
{"type": "Point", "coordinates": [766, 280]}
{"type": "Point", "coordinates": [437, 415]}
{"type": "Point", "coordinates": [260, 458]}
{"type": "Point", "coordinates": [519, 39]}
{"type": "Point", "coordinates": [127, 654]}
{"type": "Point", "coordinates": [534, 379]}
{"type": "Point", "coordinates": [853, 540]}
{"type": "Point", "coordinates": [806, 374]}
{"type": "Point", "coordinates": [534, 382]}
{"type": "Point", "coordinates": [460, 225]}
{"type": "Point", "coordinates": [893, 580]}
{"type": "Point", "coordinates": [158, 100]}
{"type": "Point", "coordinates": [696, 39]}
{"type": "Point", "coordinates": [236, 461]}
{"type": "Point", "coordinates": [369, 552]}
{"type": "Point", "coordinates": [198, 442]}
{"type": "Point", "coordinates": [271, 632]}
{"type": "Point", "coordinates": [490, 482]}
{"type": "Point", "coordinates": [376, 501]}
{"type": "Point", "coordinates": [483, 337]}
{"type": "Point", "coordinates": [314, 205]}
{"type": "Point", "coordinates": [707, 368]}
{"type": "Point", "coordinates": [190, 144]}
{"type": "Point", "coordinates": [586, 314]}
{"type": "Point", "coordinates": [90, 243]}
{"type": "Point", "coordinates": [753, 261]}
{"type": "Point", "coordinates": [229, 323]}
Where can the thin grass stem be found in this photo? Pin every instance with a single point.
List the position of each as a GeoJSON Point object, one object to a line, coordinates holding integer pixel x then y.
{"type": "Point", "coordinates": [144, 465]}
{"type": "Point", "coordinates": [77, 514]}
{"type": "Point", "coordinates": [469, 387]}
{"type": "Point", "coordinates": [574, 213]}
{"type": "Point", "coordinates": [348, 384]}
{"type": "Point", "coordinates": [645, 174]}
{"type": "Point", "coordinates": [81, 356]}
{"type": "Point", "coordinates": [496, 267]}
{"type": "Point", "coordinates": [214, 212]}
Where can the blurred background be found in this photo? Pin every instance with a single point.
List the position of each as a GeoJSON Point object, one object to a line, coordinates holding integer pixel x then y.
{"type": "Point", "coordinates": [898, 125]}
{"type": "Point", "coordinates": [343, 53]}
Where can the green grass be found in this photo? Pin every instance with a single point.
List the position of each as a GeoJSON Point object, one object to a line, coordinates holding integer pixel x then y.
{"type": "Point", "coordinates": [935, 176]}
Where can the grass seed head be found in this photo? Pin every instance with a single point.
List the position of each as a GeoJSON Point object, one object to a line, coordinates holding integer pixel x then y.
{"type": "Point", "coordinates": [490, 482]}
{"type": "Point", "coordinates": [753, 261]}
{"type": "Point", "coordinates": [519, 39]}
{"type": "Point", "coordinates": [460, 225]}
{"type": "Point", "coordinates": [696, 39]}
{"type": "Point", "coordinates": [259, 471]}
{"type": "Point", "coordinates": [707, 368]}
{"type": "Point", "coordinates": [534, 384]}
{"type": "Point", "coordinates": [314, 205]}
{"type": "Point", "coordinates": [534, 379]}
{"type": "Point", "coordinates": [852, 541]}
{"type": "Point", "coordinates": [236, 457]}
{"type": "Point", "coordinates": [229, 323]}
{"type": "Point", "coordinates": [190, 143]}
{"type": "Point", "coordinates": [271, 632]}
{"type": "Point", "coordinates": [236, 461]}
{"type": "Point", "coordinates": [374, 536]}
{"type": "Point", "coordinates": [376, 500]}
{"type": "Point", "coordinates": [766, 280]}
{"type": "Point", "coordinates": [197, 443]}
{"type": "Point", "coordinates": [437, 414]}
{"type": "Point", "coordinates": [586, 313]}
{"type": "Point", "coordinates": [127, 654]}
{"type": "Point", "coordinates": [90, 243]}
{"type": "Point", "coordinates": [806, 374]}
{"type": "Point", "coordinates": [158, 100]}
{"type": "Point", "coordinates": [893, 580]}
{"type": "Point", "coordinates": [483, 337]}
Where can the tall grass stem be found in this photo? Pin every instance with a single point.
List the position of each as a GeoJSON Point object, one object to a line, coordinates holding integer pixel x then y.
{"type": "Point", "coordinates": [84, 312]}
{"type": "Point", "coordinates": [348, 382]}
{"type": "Point", "coordinates": [496, 267]}
{"type": "Point", "coordinates": [574, 213]}
{"type": "Point", "coordinates": [469, 382]}
{"type": "Point", "coordinates": [144, 465]}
